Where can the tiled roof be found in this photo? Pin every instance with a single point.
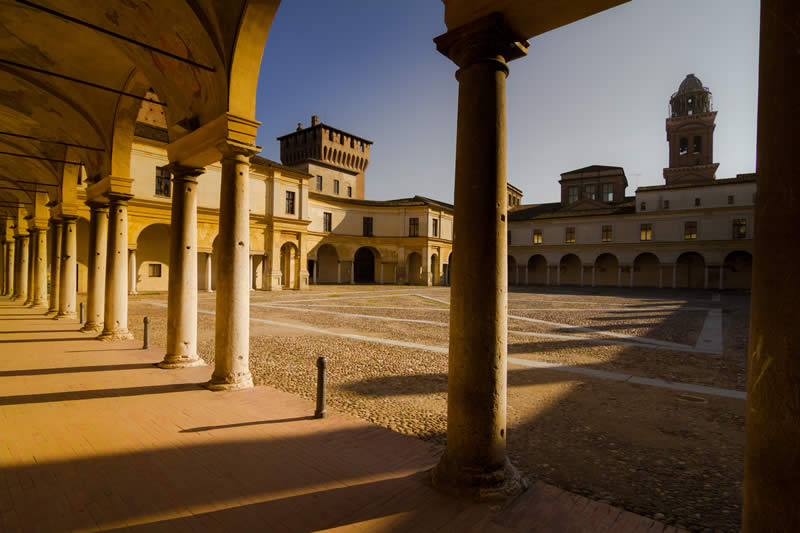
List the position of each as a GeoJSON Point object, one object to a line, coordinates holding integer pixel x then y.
{"type": "Point", "coordinates": [556, 210]}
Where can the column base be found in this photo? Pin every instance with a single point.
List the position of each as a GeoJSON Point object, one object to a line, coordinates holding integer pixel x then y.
{"type": "Point", "coordinates": [235, 382]}
{"type": "Point", "coordinates": [115, 335]}
{"type": "Point", "coordinates": [65, 316]}
{"type": "Point", "coordinates": [91, 327]}
{"type": "Point", "coordinates": [180, 361]}
{"type": "Point", "coordinates": [476, 484]}
{"type": "Point", "coordinates": [40, 305]}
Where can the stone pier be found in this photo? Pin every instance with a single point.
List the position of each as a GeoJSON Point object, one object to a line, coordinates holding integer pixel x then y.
{"type": "Point", "coordinates": [69, 264]}
{"type": "Point", "coordinates": [98, 249]}
{"type": "Point", "coordinates": [115, 316]}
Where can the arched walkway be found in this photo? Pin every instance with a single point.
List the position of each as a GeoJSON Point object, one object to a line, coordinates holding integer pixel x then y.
{"type": "Point", "coordinates": [606, 269]}
{"type": "Point", "coordinates": [570, 270]}
{"type": "Point", "coordinates": [513, 276]}
{"type": "Point", "coordinates": [690, 271]}
{"type": "Point", "coordinates": [152, 258]}
{"type": "Point", "coordinates": [327, 264]}
{"type": "Point", "coordinates": [364, 263]}
{"type": "Point", "coordinates": [737, 270]}
{"type": "Point", "coordinates": [414, 268]}
{"type": "Point", "coordinates": [646, 269]}
{"type": "Point", "coordinates": [537, 270]}
{"type": "Point", "coordinates": [289, 257]}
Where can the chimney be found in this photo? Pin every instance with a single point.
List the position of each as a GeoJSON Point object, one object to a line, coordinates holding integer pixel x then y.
{"type": "Point", "coordinates": [299, 126]}
{"type": "Point", "coordinates": [314, 120]}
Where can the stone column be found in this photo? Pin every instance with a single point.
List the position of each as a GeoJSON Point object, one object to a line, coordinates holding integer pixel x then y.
{"type": "Point", "coordinates": [772, 423]}
{"type": "Point", "coordinates": [527, 282]}
{"type": "Point", "coordinates": [547, 274]}
{"type": "Point", "coordinates": [182, 295]}
{"type": "Point", "coordinates": [316, 270]}
{"type": "Point", "coordinates": [98, 249]}
{"type": "Point", "coordinates": [594, 275]}
{"type": "Point", "coordinates": [674, 275]}
{"type": "Point", "coordinates": [68, 285]}
{"type": "Point", "coordinates": [352, 272]}
{"type": "Point", "coordinates": [558, 275]}
{"type": "Point", "coordinates": [582, 274]}
{"type": "Point", "coordinates": [31, 260]}
{"type": "Point", "coordinates": [132, 272]}
{"type": "Point", "coordinates": [115, 304]}
{"type": "Point", "coordinates": [232, 328]}
{"type": "Point", "coordinates": [252, 271]}
{"type": "Point", "coordinates": [721, 277]}
{"type": "Point", "coordinates": [40, 269]}
{"type": "Point", "coordinates": [11, 271]}
{"type": "Point", "coordinates": [55, 266]}
{"type": "Point", "coordinates": [633, 275]}
{"type": "Point", "coordinates": [660, 276]}
{"type": "Point", "coordinates": [475, 463]}
{"type": "Point", "coordinates": [705, 277]}
{"type": "Point", "coordinates": [338, 272]}
{"type": "Point", "coordinates": [209, 278]}
{"type": "Point", "coordinates": [22, 267]}
{"type": "Point", "coordinates": [381, 272]}
{"type": "Point", "coordinates": [619, 276]}
{"type": "Point", "coordinates": [3, 268]}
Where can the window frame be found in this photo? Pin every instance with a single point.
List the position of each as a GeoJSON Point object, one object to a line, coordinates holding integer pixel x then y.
{"type": "Point", "coordinates": [645, 231]}
{"type": "Point", "coordinates": [690, 230]}
{"type": "Point", "coordinates": [569, 235]}
{"type": "Point", "coordinates": [608, 192]}
{"type": "Point", "coordinates": [435, 227]}
{"type": "Point", "coordinates": [572, 198]}
{"type": "Point", "coordinates": [154, 270]}
{"type": "Point", "coordinates": [290, 205]}
{"type": "Point", "coordinates": [319, 183]}
{"type": "Point", "coordinates": [413, 226]}
{"type": "Point", "coordinates": [537, 233]}
{"type": "Point", "coordinates": [739, 228]}
{"type": "Point", "coordinates": [327, 221]}
{"type": "Point", "coordinates": [607, 233]}
{"type": "Point", "coordinates": [163, 174]}
{"type": "Point", "coordinates": [349, 191]}
{"type": "Point", "coordinates": [335, 186]}
{"type": "Point", "coordinates": [367, 227]}
{"type": "Point", "coordinates": [590, 187]}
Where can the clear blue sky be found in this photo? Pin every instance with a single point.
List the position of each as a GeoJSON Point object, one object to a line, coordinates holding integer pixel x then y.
{"type": "Point", "coordinates": [594, 92]}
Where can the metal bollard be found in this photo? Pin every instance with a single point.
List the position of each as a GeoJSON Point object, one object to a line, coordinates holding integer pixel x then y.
{"type": "Point", "coordinates": [146, 335]}
{"type": "Point", "coordinates": [321, 411]}
{"type": "Point", "coordinates": [82, 313]}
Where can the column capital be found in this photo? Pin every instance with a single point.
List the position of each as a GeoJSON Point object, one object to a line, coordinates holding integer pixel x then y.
{"type": "Point", "coordinates": [184, 172]}
{"type": "Point", "coordinates": [231, 149]}
{"type": "Point", "coordinates": [488, 39]}
{"type": "Point", "coordinates": [118, 198]}
{"type": "Point", "coordinates": [97, 206]}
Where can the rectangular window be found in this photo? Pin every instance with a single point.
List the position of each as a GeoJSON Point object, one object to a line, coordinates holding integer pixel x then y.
{"type": "Point", "coordinates": [335, 186]}
{"type": "Point", "coordinates": [643, 206]}
{"type": "Point", "coordinates": [319, 183]}
{"type": "Point", "coordinates": [689, 230]}
{"type": "Point", "coordinates": [684, 146]}
{"type": "Point", "coordinates": [413, 227]}
{"type": "Point", "coordinates": [590, 192]}
{"type": "Point", "coordinates": [537, 236]}
{"type": "Point", "coordinates": [697, 144]}
{"type": "Point", "coordinates": [608, 192]}
{"type": "Point", "coordinates": [435, 228]}
{"type": "Point", "coordinates": [154, 270]}
{"type": "Point", "coordinates": [290, 202]}
{"type": "Point", "coordinates": [367, 226]}
{"type": "Point", "coordinates": [740, 228]}
{"type": "Point", "coordinates": [162, 182]}
{"type": "Point", "coordinates": [327, 222]}
{"type": "Point", "coordinates": [349, 191]}
{"type": "Point", "coordinates": [510, 201]}
{"type": "Point", "coordinates": [607, 234]}
{"type": "Point", "coordinates": [646, 232]}
{"type": "Point", "coordinates": [730, 200]}
{"type": "Point", "coordinates": [697, 202]}
{"type": "Point", "coordinates": [569, 234]}
{"type": "Point", "coordinates": [572, 195]}
{"type": "Point", "coordinates": [666, 204]}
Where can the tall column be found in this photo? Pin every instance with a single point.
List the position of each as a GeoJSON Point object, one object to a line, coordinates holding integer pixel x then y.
{"type": "Point", "coordinates": [633, 275]}
{"type": "Point", "coordinates": [381, 272]}
{"type": "Point", "coordinates": [527, 282]}
{"type": "Point", "coordinates": [721, 277]}
{"type": "Point", "coordinates": [208, 272]}
{"type": "Point", "coordinates": [674, 275]}
{"type": "Point", "coordinates": [232, 335]}
{"type": "Point", "coordinates": [338, 272]}
{"type": "Point", "coordinates": [55, 266]}
{"type": "Point", "coordinates": [547, 274]}
{"type": "Point", "coordinates": [40, 269]}
{"type": "Point", "coordinates": [11, 255]}
{"type": "Point", "coordinates": [316, 271]}
{"type": "Point", "coordinates": [252, 271]}
{"type": "Point", "coordinates": [31, 260]}
{"type": "Point", "coordinates": [594, 274]}
{"type": "Point", "coordinates": [558, 275]}
{"type": "Point", "coordinates": [69, 263]}
{"type": "Point", "coordinates": [660, 276]}
{"type": "Point", "coordinates": [182, 295]}
{"type": "Point", "coordinates": [22, 267]}
{"type": "Point", "coordinates": [475, 463]}
{"type": "Point", "coordinates": [705, 276]}
{"type": "Point", "coordinates": [98, 250]}
{"type": "Point", "coordinates": [619, 276]}
{"type": "Point", "coordinates": [772, 423]}
{"type": "Point", "coordinates": [115, 304]}
{"type": "Point", "coordinates": [132, 271]}
{"type": "Point", "coordinates": [352, 272]}
{"type": "Point", "coordinates": [3, 268]}
{"type": "Point", "coordinates": [582, 274]}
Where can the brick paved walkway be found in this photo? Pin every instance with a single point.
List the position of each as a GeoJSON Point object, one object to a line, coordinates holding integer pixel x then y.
{"type": "Point", "coordinates": [93, 436]}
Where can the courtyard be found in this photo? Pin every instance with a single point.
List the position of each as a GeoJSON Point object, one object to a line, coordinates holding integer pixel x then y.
{"type": "Point", "coordinates": [630, 397]}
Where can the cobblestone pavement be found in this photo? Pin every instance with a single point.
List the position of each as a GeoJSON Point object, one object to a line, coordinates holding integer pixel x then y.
{"type": "Point", "coordinates": [672, 455]}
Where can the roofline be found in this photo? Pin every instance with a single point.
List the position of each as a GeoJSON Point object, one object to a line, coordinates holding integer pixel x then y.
{"type": "Point", "coordinates": [320, 125]}
{"type": "Point", "coordinates": [745, 178]}
{"type": "Point", "coordinates": [416, 201]}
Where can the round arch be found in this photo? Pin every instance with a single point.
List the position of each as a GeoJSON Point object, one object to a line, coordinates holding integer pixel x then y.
{"type": "Point", "coordinates": [152, 258]}
{"type": "Point", "coordinates": [327, 264]}
{"type": "Point", "coordinates": [569, 270]}
{"type": "Point", "coordinates": [365, 264]}
{"type": "Point", "coordinates": [690, 271]}
{"type": "Point", "coordinates": [289, 266]}
{"type": "Point", "coordinates": [537, 270]}
{"type": "Point", "coordinates": [646, 270]}
{"type": "Point", "coordinates": [414, 263]}
{"type": "Point", "coordinates": [606, 269]}
{"type": "Point", "coordinates": [435, 269]}
{"type": "Point", "coordinates": [737, 270]}
{"type": "Point", "coordinates": [513, 271]}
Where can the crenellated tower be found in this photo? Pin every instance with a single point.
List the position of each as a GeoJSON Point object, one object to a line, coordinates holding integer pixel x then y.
{"type": "Point", "coordinates": [337, 159]}
{"type": "Point", "coordinates": [690, 133]}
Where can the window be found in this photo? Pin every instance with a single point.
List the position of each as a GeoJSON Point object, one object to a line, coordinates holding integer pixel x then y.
{"type": "Point", "coordinates": [362, 147]}
{"type": "Point", "coordinates": [367, 226]}
{"type": "Point", "coordinates": [319, 183]}
{"type": "Point", "coordinates": [696, 145]}
{"type": "Point", "coordinates": [413, 227]}
{"type": "Point", "coordinates": [154, 270]}
{"type": "Point", "coordinates": [666, 204]}
{"type": "Point", "coordinates": [327, 222]}
{"type": "Point", "coordinates": [349, 191]}
{"type": "Point", "coordinates": [646, 232]}
{"type": "Point", "coordinates": [537, 236]}
{"type": "Point", "coordinates": [162, 182]}
{"type": "Point", "coordinates": [572, 194]}
{"type": "Point", "coordinates": [689, 230]}
{"type": "Point", "coordinates": [730, 200]}
{"type": "Point", "coordinates": [330, 135]}
{"type": "Point", "coordinates": [643, 206]}
{"type": "Point", "coordinates": [569, 234]}
{"type": "Point", "coordinates": [510, 200]}
{"type": "Point", "coordinates": [697, 202]}
{"type": "Point", "coordinates": [290, 202]}
{"type": "Point", "coordinates": [590, 192]}
{"type": "Point", "coordinates": [739, 228]}
{"type": "Point", "coordinates": [435, 228]}
{"type": "Point", "coordinates": [335, 186]}
{"type": "Point", "coordinates": [607, 234]}
{"type": "Point", "coordinates": [608, 192]}
{"type": "Point", "coordinates": [684, 146]}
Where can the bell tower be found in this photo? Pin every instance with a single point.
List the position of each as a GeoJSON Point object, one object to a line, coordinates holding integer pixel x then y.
{"type": "Point", "coordinates": [690, 133]}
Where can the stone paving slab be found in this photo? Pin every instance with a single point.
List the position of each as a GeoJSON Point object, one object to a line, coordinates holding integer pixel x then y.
{"type": "Point", "coordinates": [94, 437]}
